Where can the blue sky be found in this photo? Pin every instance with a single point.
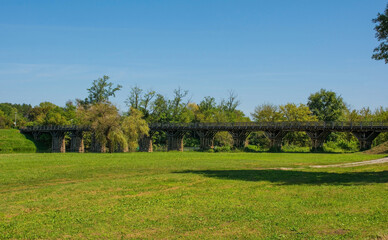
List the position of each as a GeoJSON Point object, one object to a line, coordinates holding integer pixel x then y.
{"type": "Point", "coordinates": [266, 51]}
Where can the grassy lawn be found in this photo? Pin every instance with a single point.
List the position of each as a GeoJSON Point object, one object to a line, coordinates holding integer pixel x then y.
{"type": "Point", "coordinates": [191, 196]}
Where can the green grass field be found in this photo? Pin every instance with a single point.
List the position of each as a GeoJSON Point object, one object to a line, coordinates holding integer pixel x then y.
{"type": "Point", "coordinates": [191, 195]}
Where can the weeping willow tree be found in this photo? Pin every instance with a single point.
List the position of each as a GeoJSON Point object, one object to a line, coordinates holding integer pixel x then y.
{"type": "Point", "coordinates": [104, 120]}
{"type": "Point", "coordinates": [134, 128]}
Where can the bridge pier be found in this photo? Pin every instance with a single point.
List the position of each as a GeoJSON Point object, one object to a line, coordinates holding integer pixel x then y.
{"type": "Point", "coordinates": [206, 139]}
{"type": "Point", "coordinates": [275, 138]}
{"type": "Point", "coordinates": [58, 141]}
{"type": "Point", "coordinates": [239, 138]}
{"type": "Point", "coordinates": [77, 142]}
{"type": "Point", "coordinates": [365, 138]}
{"type": "Point", "coordinates": [145, 143]}
{"type": "Point", "coordinates": [317, 139]}
{"type": "Point", "coordinates": [96, 146]}
{"type": "Point", "coordinates": [121, 148]}
{"type": "Point", "coordinates": [36, 135]}
{"type": "Point", "coordinates": [175, 140]}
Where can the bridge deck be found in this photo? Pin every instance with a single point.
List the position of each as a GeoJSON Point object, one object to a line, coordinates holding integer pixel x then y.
{"type": "Point", "coordinates": [67, 128]}
{"type": "Point", "coordinates": [266, 126]}
{"type": "Point", "coordinates": [247, 126]}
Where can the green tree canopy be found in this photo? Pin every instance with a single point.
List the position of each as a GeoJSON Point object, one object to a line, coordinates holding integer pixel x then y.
{"type": "Point", "coordinates": [266, 113]}
{"type": "Point", "coordinates": [381, 52]}
{"type": "Point", "coordinates": [22, 112]}
{"type": "Point", "coordinates": [177, 106]}
{"type": "Point", "coordinates": [104, 119]}
{"type": "Point", "coordinates": [145, 103]}
{"type": "Point", "coordinates": [327, 106]}
{"type": "Point", "coordinates": [134, 127]}
{"type": "Point", "coordinates": [47, 113]}
{"type": "Point", "coordinates": [5, 122]}
{"type": "Point", "coordinates": [231, 102]}
{"type": "Point", "coordinates": [100, 91]}
{"type": "Point", "coordinates": [159, 109]}
{"type": "Point", "coordinates": [292, 112]}
{"type": "Point", "coordinates": [134, 98]}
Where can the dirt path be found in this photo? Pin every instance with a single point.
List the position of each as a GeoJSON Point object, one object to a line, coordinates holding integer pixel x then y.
{"type": "Point", "coordinates": [354, 164]}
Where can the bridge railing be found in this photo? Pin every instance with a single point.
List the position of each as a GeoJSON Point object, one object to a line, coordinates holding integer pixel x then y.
{"type": "Point", "coordinates": [56, 128]}
{"type": "Point", "coordinates": [252, 126]}
{"type": "Point", "coordinates": [284, 124]}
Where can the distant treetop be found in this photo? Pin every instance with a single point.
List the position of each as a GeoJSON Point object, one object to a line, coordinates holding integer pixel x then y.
{"type": "Point", "coordinates": [100, 91]}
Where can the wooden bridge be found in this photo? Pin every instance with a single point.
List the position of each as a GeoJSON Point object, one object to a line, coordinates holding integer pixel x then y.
{"type": "Point", "coordinates": [365, 132]}
{"type": "Point", "coordinates": [58, 134]}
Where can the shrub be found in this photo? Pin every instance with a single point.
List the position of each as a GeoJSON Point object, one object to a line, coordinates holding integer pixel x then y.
{"type": "Point", "coordinates": [222, 149]}
{"type": "Point", "coordinates": [11, 140]}
{"type": "Point", "coordinates": [294, 148]}
{"type": "Point", "coordinates": [340, 146]}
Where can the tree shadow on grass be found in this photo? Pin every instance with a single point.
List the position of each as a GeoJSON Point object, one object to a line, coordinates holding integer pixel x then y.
{"type": "Point", "coordinates": [293, 177]}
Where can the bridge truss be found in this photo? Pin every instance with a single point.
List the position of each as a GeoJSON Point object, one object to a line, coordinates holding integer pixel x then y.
{"type": "Point", "coordinates": [365, 132]}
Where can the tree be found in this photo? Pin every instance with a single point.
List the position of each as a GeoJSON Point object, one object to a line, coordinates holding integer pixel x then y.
{"type": "Point", "coordinates": [327, 106]}
{"type": "Point", "coordinates": [381, 52]}
{"type": "Point", "coordinates": [146, 102]}
{"type": "Point", "coordinates": [22, 112]}
{"type": "Point", "coordinates": [104, 119]}
{"type": "Point", "coordinates": [381, 115]}
{"type": "Point", "coordinates": [266, 113]}
{"type": "Point", "coordinates": [5, 122]}
{"type": "Point", "coordinates": [205, 111]}
{"type": "Point", "coordinates": [47, 113]}
{"type": "Point", "coordinates": [176, 105]}
{"type": "Point", "coordinates": [159, 109]}
{"type": "Point", "coordinates": [223, 139]}
{"type": "Point", "coordinates": [366, 114]}
{"type": "Point", "coordinates": [288, 112]}
{"type": "Point", "coordinates": [7, 111]}
{"type": "Point", "coordinates": [207, 104]}
{"type": "Point", "coordinates": [231, 103]}
{"type": "Point", "coordinates": [100, 91]}
{"type": "Point", "coordinates": [134, 98]}
{"type": "Point", "coordinates": [70, 113]}
{"type": "Point", "coordinates": [134, 127]}
{"type": "Point", "coordinates": [292, 112]}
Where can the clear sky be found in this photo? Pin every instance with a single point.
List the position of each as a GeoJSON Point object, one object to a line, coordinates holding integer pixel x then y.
{"type": "Point", "coordinates": [276, 51]}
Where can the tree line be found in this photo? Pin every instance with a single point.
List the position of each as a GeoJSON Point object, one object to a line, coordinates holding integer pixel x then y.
{"type": "Point", "coordinates": [116, 131]}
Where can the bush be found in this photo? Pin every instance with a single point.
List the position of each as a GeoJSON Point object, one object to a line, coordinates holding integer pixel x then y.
{"type": "Point", "coordinates": [331, 146]}
{"type": "Point", "coordinates": [383, 137]}
{"type": "Point", "coordinates": [11, 140]}
{"type": "Point", "coordinates": [340, 146]}
{"type": "Point", "coordinates": [348, 146]}
{"type": "Point", "coordinates": [251, 148]}
{"type": "Point", "coordinates": [159, 148]}
{"type": "Point", "coordinates": [255, 148]}
{"type": "Point", "coordinates": [222, 149]}
{"type": "Point", "coordinates": [294, 148]}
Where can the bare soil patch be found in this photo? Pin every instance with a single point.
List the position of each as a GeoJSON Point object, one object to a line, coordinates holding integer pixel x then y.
{"type": "Point", "coordinates": [354, 164]}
